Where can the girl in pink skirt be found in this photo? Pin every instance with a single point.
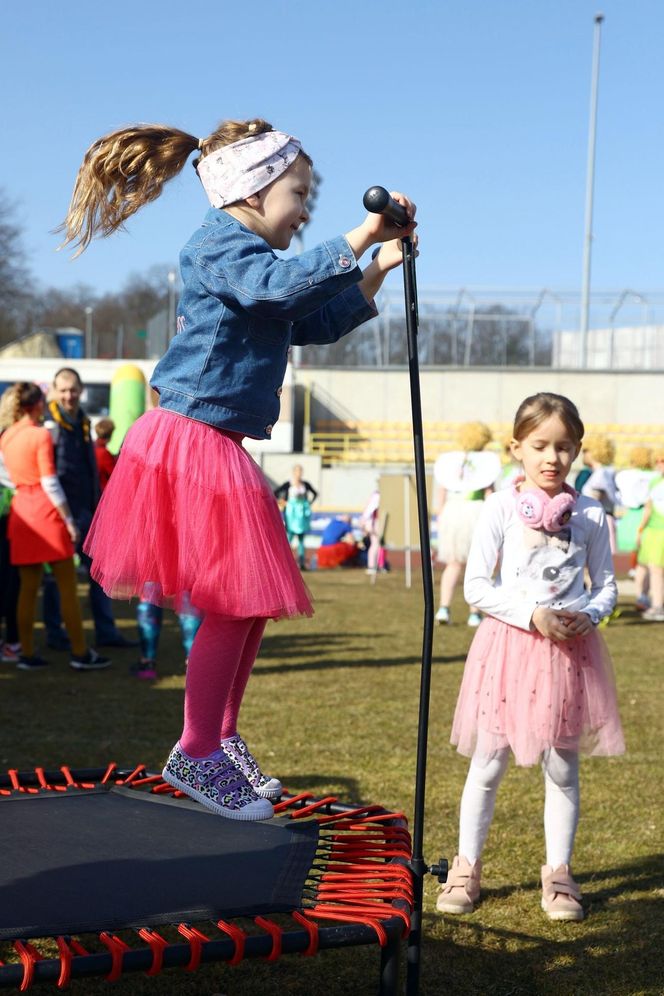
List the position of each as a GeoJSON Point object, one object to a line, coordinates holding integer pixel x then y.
{"type": "Point", "coordinates": [538, 679]}
{"type": "Point", "coordinates": [187, 509]}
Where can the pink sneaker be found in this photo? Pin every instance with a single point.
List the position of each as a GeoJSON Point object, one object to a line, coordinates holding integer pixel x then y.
{"type": "Point", "coordinates": [462, 888]}
{"type": "Point", "coordinates": [561, 896]}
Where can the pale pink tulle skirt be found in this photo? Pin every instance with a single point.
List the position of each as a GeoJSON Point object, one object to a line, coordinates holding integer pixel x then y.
{"type": "Point", "coordinates": [526, 692]}
{"type": "Point", "coordinates": [188, 510]}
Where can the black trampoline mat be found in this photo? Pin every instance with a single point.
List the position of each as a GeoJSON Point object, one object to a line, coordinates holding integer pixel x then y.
{"type": "Point", "coordinates": [108, 858]}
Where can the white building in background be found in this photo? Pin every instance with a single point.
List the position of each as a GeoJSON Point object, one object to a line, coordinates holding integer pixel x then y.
{"type": "Point", "coordinates": [631, 347]}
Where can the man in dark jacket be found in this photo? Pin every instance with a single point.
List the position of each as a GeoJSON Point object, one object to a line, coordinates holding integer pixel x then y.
{"type": "Point", "coordinates": [77, 472]}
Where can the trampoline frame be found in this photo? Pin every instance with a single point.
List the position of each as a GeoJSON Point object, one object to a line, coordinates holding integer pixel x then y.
{"type": "Point", "coordinates": [366, 923]}
{"type": "Point", "coordinates": [380, 916]}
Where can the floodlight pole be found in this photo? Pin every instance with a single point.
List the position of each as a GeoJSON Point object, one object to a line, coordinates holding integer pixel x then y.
{"type": "Point", "coordinates": [88, 332]}
{"type": "Point", "coordinates": [590, 184]}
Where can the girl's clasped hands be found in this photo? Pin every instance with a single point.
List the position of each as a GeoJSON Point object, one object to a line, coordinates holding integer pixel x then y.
{"type": "Point", "coordinates": [560, 624]}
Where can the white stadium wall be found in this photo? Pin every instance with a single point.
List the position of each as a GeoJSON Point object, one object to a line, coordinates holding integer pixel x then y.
{"type": "Point", "coordinates": [490, 395]}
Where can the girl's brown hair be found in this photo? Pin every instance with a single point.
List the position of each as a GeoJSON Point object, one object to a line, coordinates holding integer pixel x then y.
{"type": "Point", "coordinates": [538, 407]}
{"type": "Point", "coordinates": [104, 428]}
{"type": "Point", "coordinates": [128, 168]}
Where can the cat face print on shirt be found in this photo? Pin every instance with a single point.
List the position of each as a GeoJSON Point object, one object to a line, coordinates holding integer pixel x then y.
{"type": "Point", "coordinates": [551, 563]}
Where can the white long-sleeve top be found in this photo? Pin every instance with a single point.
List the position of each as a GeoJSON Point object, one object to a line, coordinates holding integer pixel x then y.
{"type": "Point", "coordinates": [49, 483]}
{"type": "Point", "coordinates": [512, 569]}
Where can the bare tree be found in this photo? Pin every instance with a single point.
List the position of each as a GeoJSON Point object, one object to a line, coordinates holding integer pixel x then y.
{"type": "Point", "coordinates": [15, 293]}
{"type": "Point", "coordinates": [118, 319]}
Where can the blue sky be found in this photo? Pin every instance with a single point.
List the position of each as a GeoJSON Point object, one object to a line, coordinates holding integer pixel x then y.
{"type": "Point", "coordinates": [478, 109]}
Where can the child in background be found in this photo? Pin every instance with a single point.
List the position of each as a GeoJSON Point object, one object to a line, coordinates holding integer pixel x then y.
{"type": "Point", "coordinates": [633, 486]}
{"type": "Point", "coordinates": [464, 478]}
{"type": "Point", "coordinates": [598, 454]}
{"type": "Point", "coordinates": [106, 461]}
{"type": "Point", "coordinates": [538, 679]}
{"type": "Point", "coordinates": [198, 516]}
{"type": "Point", "coordinates": [651, 541]}
{"type": "Point", "coordinates": [150, 618]}
{"type": "Point", "coordinates": [369, 520]}
{"type": "Point", "coordinates": [510, 469]}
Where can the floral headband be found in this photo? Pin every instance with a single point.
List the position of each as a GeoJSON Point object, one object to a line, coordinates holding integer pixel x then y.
{"type": "Point", "coordinates": [236, 171]}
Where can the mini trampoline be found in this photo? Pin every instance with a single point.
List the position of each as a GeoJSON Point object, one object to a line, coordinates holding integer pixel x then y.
{"type": "Point", "coordinates": [90, 853]}
{"type": "Point", "coordinates": [75, 860]}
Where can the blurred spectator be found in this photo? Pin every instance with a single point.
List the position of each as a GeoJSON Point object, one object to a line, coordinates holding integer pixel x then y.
{"type": "Point", "coordinates": [581, 478]}
{"type": "Point", "coordinates": [9, 583]}
{"type": "Point", "coordinates": [633, 486]}
{"type": "Point", "coordinates": [370, 520]}
{"type": "Point", "coordinates": [511, 468]}
{"type": "Point", "coordinates": [41, 529]}
{"type": "Point", "coordinates": [598, 452]}
{"type": "Point", "coordinates": [338, 547]}
{"type": "Point", "coordinates": [464, 478]}
{"type": "Point", "coordinates": [77, 473]}
{"type": "Point", "coordinates": [295, 497]}
{"type": "Point", "coordinates": [106, 460]}
{"type": "Point", "coordinates": [150, 617]}
{"type": "Point", "coordinates": [651, 541]}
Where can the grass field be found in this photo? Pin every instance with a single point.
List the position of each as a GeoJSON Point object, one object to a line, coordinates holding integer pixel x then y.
{"type": "Point", "coordinates": [332, 707]}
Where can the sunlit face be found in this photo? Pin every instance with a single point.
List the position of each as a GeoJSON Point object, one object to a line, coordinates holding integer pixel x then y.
{"type": "Point", "coordinates": [67, 390]}
{"type": "Point", "coordinates": [281, 207]}
{"type": "Point", "coordinates": [547, 455]}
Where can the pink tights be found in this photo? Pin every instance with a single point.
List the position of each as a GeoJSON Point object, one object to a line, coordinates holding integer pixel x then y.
{"type": "Point", "coordinates": [220, 662]}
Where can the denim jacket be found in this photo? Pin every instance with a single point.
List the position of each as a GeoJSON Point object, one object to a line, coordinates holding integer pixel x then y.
{"type": "Point", "coordinates": [241, 309]}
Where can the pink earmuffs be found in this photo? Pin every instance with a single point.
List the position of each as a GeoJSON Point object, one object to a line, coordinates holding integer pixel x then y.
{"type": "Point", "coordinates": [537, 510]}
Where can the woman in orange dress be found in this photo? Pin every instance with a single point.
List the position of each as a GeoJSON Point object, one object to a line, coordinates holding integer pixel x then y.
{"type": "Point", "coordinates": [41, 529]}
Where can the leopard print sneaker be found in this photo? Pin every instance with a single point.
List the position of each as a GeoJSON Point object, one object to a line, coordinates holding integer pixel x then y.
{"type": "Point", "coordinates": [217, 784]}
{"type": "Point", "coordinates": [238, 752]}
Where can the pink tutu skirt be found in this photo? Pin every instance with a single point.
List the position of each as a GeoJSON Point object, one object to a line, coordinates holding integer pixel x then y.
{"type": "Point", "coordinates": [526, 692]}
{"type": "Point", "coordinates": [187, 510]}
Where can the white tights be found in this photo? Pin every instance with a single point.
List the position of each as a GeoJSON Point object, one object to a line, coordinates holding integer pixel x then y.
{"type": "Point", "coordinates": [561, 803]}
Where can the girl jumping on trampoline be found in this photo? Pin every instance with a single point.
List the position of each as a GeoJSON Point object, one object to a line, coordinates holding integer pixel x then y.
{"type": "Point", "coordinates": [197, 514]}
{"type": "Point", "coordinates": [538, 679]}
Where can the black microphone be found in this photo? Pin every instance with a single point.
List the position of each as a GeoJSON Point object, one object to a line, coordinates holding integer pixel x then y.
{"type": "Point", "coordinates": [378, 201]}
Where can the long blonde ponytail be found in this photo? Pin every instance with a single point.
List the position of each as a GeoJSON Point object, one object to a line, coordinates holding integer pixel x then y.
{"type": "Point", "coordinates": [128, 168]}
{"type": "Point", "coordinates": [120, 173]}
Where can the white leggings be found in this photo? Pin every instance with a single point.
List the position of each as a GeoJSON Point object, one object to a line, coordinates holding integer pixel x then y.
{"type": "Point", "coordinates": [561, 803]}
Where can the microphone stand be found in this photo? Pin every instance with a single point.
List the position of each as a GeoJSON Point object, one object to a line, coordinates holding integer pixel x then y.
{"type": "Point", "coordinates": [418, 866]}
{"type": "Point", "coordinates": [378, 200]}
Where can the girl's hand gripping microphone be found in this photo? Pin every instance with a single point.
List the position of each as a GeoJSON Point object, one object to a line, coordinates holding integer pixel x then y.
{"type": "Point", "coordinates": [378, 201]}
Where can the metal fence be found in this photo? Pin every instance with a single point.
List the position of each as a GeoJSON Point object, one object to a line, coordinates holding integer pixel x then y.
{"type": "Point", "coordinates": [502, 327]}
